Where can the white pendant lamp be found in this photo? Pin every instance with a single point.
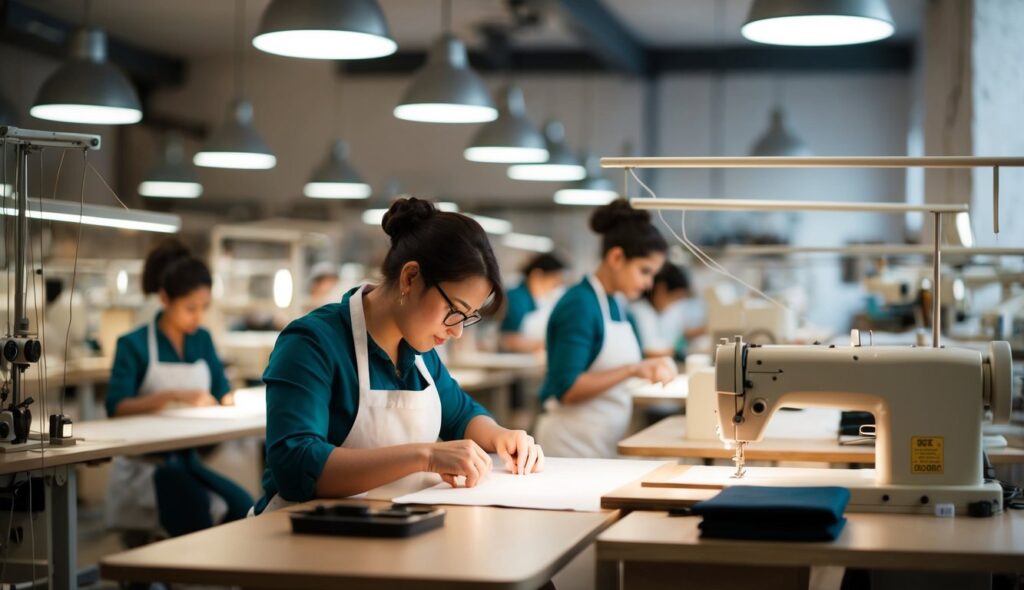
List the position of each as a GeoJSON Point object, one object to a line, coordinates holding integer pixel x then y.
{"type": "Point", "coordinates": [336, 178]}
{"type": "Point", "coordinates": [512, 138]}
{"type": "Point", "coordinates": [86, 88]}
{"type": "Point", "coordinates": [446, 89]}
{"type": "Point", "coordinates": [325, 29]}
{"type": "Point", "coordinates": [173, 176]}
{"type": "Point", "coordinates": [818, 22]}
{"type": "Point", "coordinates": [561, 166]}
{"type": "Point", "coordinates": [237, 144]}
{"type": "Point", "coordinates": [593, 191]}
{"type": "Point", "coordinates": [779, 140]}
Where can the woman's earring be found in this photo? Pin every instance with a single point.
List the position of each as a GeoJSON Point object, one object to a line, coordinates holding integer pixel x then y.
{"type": "Point", "coordinates": [401, 300]}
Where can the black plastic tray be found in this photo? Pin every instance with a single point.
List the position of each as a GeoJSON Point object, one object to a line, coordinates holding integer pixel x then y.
{"type": "Point", "coordinates": [360, 520]}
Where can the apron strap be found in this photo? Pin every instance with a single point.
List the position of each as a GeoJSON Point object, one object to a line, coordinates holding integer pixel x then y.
{"type": "Point", "coordinates": [154, 352]}
{"type": "Point", "coordinates": [602, 299]}
{"type": "Point", "coordinates": [355, 305]}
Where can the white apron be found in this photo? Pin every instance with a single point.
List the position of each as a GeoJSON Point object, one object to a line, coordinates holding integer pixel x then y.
{"type": "Point", "coordinates": [593, 429]}
{"type": "Point", "coordinates": [535, 323]}
{"type": "Point", "coordinates": [131, 492]}
{"type": "Point", "coordinates": [387, 418]}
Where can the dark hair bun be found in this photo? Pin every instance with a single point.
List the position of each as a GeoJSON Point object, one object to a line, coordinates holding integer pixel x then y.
{"type": "Point", "coordinates": [405, 215]}
{"type": "Point", "coordinates": [618, 212]}
{"type": "Point", "coordinates": [159, 258]}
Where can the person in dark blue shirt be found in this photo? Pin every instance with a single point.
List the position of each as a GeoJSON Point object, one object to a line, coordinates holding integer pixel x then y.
{"type": "Point", "coordinates": [593, 348]}
{"type": "Point", "coordinates": [528, 306]}
{"type": "Point", "coordinates": [356, 396]}
{"type": "Point", "coordinates": [170, 360]}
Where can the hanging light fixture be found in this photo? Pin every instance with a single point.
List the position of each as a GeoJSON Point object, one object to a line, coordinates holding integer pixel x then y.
{"type": "Point", "coordinates": [173, 176]}
{"type": "Point", "coordinates": [8, 117]}
{"type": "Point", "coordinates": [511, 138]}
{"type": "Point", "coordinates": [86, 88]}
{"type": "Point", "coordinates": [237, 144]}
{"type": "Point", "coordinates": [325, 29]}
{"type": "Point", "coordinates": [817, 23]}
{"type": "Point", "coordinates": [446, 89]}
{"type": "Point", "coordinates": [779, 140]}
{"type": "Point", "coordinates": [336, 178]}
{"type": "Point", "coordinates": [593, 191]}
{"type": "Point", "coordinates": [561, 166]}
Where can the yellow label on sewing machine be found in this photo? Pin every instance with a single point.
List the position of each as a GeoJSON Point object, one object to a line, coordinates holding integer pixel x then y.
{"type": "Point", "coordinates": [926, 455]}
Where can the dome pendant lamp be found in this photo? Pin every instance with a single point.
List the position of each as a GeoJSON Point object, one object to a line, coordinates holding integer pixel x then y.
{"type": "Point", "coordinates": [511, 138]}
{"type": "Point", "coordinates": [818, 22]}
{"type": "Point", "coordinates": [779, 140]}
{"type": "Point", "coordinates": [173, 176]}
{"type": "Point", "coordinates": [325, 29]}
{"type": "Point", "coordinates": [561, 166]}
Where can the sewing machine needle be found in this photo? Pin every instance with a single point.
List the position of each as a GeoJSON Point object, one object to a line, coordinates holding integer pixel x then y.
{"type": "Point", "coordinates": [739, 459]}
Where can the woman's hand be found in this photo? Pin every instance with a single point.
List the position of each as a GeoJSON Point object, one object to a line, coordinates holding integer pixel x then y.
{"type": "Point", "coordinates": [196, 398]}
{"type": "Point", "coordinates": [458, 458]}
{"type": "Point", "coordinates": [519, 451]}
{"type": "Point", "coordinates": [656, 370]}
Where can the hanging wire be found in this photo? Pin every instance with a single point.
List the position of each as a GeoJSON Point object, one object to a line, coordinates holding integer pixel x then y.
{"type": "Point", "coordinates": [587, 112]}
{"type": "Point", "coordinates": [446, 16]}
{"type": "Point", "coordinates": [239, 48]}
{"type": "Point", "coordinates": [74, 278]}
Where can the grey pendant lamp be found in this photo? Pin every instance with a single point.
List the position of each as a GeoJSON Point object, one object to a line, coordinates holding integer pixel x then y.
{"type": "Point", "coordinates": [446, 89]}
{"type": "Point", "coordinates": [336, 178]}
{"type": "Point", "coordinates": [779, 140]}
{"type": "Point", "coordinates": [8, 117]}
{"type": "Point", "coordinates": [818, 22]}
{"type": "Point", "coordinates": [561, 166]}
{"type": "Point", "coordinates": [511, 138]}
{"type": "Point", "coordinates": [173, 175]}
{"type": "Point", "coordinates": [325, 29]}
{"type": "Point", "coordinates": [594, 190]}
{"type": "Point", "coordinates": [237, 144]}
{"type": "Point", "coordinates": [86, 88]}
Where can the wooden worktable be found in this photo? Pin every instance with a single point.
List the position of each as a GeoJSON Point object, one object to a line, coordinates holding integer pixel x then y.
{"type": "Point", "coordinates": [791, 436]}
{"type": "Point", "coordinates": [477, 547]}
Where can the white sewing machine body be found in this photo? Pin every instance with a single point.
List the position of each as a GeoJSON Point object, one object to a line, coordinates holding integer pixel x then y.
{"type": "Point", "coordinates": [928, 405]}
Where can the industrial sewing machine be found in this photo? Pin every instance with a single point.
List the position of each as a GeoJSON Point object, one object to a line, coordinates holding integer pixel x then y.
{"type": "Point", "coordinates": [928, 405]}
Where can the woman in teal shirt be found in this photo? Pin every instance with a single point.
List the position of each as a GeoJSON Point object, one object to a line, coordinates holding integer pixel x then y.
{"type": "Point", "coordinates": [529, 305]}
{"type": "Point", "coordinates": [170, 360]}
{"type": "Point", "coordinates": [357, 397]}
{"type": "Point", "coordinates": [592, 348]}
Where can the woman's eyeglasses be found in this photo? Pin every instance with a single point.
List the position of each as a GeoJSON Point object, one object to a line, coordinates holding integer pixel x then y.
{"type": "Point", "coordinates": [456, 317]}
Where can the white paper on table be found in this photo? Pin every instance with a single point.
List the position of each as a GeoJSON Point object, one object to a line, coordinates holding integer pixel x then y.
{"type": "Point", "coordinates": [675, 390]}
{"type": "Point", "coordinates": [565, 484]}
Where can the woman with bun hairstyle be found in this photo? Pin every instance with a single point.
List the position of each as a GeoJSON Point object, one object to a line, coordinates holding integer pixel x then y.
{"type": "Point", "coordinates": [357, 398]}
{"type": "Point", "coordinates": [529, 305]}
{"type": "Point", "coordinates": [170, 360]}
{"type": "Point", "coordinates": [592, 347]}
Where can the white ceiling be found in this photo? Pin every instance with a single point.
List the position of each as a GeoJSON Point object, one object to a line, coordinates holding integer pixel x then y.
{"type": "Point", "coordinates": [194, 28]}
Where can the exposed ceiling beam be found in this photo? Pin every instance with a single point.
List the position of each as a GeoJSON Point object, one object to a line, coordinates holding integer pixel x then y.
{"type": "Point", "coordinates": [876, 57]}
{"type": "Point", "coordinates": [603, 34]}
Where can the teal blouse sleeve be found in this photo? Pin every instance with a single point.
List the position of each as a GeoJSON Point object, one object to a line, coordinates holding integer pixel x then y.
{"type": "Point", "coordinates": [127, 373]}
{"type": "Point", "coordinates": [219, 385]}
{"type": "Point", "coordinates": [298, 378]}
{"type": "Point", "coordinates": [457, 408]}
{"type": "Point", "coordinates": [574, 338]}
{"type": "Point", "coordinates": [519, 303]}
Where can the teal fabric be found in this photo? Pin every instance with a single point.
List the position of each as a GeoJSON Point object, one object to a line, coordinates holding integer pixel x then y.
{"type": "Point", "coordinates": [774, 513]}
{"type": "Point", "coordinates": [313, 396]}
{"type": "Point", "coordinates": [519, 302]}
{"type": "Point", "coordinates": [131, 359]}
{"type": "Point", "coordinates": [183, 487]}
{"type": "Point", "coordinates": [574, 338]}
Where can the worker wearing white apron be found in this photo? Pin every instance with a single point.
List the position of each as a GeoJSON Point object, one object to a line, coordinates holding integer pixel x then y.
{"type": "Point", "coordinates": [529, 305]}
{"type": "Point", "coordinates": [592, 349]}
{"type": "Point", "coordinates": [173, 491]}
{"type": "Point", "coordinates": [357, 397]}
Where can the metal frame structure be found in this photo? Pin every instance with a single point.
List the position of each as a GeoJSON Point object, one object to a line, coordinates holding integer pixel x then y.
{"type": "Point", "coordinates": [936, 210]}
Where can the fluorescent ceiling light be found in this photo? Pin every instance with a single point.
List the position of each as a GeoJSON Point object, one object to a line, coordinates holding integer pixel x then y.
{"type": "Point", "coordinates": [86, 89]}
{"type": "Point", "coordinates": [102, 215]}
{"type": "Point", "coordinates": [170, 189]}
{"type": "Point", "coordinates": [325, 29]}
{"type": "Point", "coordinates": [818, 23]}
{"type": "Point", "coordinates": [528, 242]}
{"type": "Point", "coordinates": [446, 89]}
{"type": "Point", "coordinates": [336, 190]}
{"type": "Point", "coordinates": [585, 197]}
{"type": "Point", "coordinates": [492, 225]}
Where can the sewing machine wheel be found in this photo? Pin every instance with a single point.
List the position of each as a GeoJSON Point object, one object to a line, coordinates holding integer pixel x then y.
{"type": "Point", "coordinates": [999, 379]}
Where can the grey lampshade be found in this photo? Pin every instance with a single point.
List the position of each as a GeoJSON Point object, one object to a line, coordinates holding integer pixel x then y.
{"type": "Point", "coordinates": [173, 176]}
{"type": "Point", "coordinates": [594, 190]}
{"type": "Point", "coordinates": [88, 89]}
{"type": "Point", "coordinates": [446, 89]}
{"type": "Point", "coordinates": [325, 29]}
{"type": "Point", "coordinates": [236, 144]}
{"type": "Point", "coordinates": [336, 178]}
{"type": "Point", "coordinates": [561, 166]}
{"type": "Point", "coordinates": [779, 140]}
{"type": "Point", "coordinates": [818, 22]}
{"type": "Point", "coordinates": [511, 138]}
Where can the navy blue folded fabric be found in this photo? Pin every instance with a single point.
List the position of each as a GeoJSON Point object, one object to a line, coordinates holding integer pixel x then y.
{"type": "Point", "coordinates": [781, 513]}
